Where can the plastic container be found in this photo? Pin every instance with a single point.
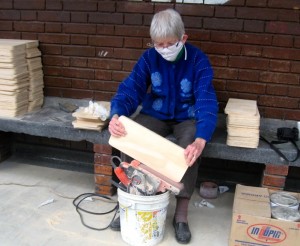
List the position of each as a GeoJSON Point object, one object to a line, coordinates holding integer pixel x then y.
{"type": "Point", "coordinates": [284, 199]}
{"type": "Point", "coordinates": [143, 218]}
{"type": "Point", "coordinates": [285, 213]}
{"type": "Point", "coordinates": [209, 190]}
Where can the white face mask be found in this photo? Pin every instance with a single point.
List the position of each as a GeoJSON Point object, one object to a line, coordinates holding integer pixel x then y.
{"type": "Point", "coordinates": [170, 53]}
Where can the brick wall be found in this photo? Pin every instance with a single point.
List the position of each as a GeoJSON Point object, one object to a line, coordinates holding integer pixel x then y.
{"type": "Point", "coordinates": [88, 47]}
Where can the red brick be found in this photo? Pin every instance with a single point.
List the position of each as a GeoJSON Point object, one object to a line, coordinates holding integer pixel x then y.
{"type": "Point", "coordinates": [248, 62]}
{"type": "Point", "coordinates": [283, 27]}
{"type": "Point", "coordinates": [6, 25]}
{"type": "Point", "coordinates": [80, 83]}
{"type": "Point", "coordinates": [278, 90]}
{"type": "Point", "coordinates": [289, 4]}
{"type": "Point", "coordinates": [249, 87]}
{"type": "Point", "coordinates": [127, 53]}
{"type": "Point", "coordinates": [195, 10]}
{"type": "Point", "coordinates": [221, 48]}
{"type": "Point", "coordinates": [29, 4]}
{"type": "Point", "coordinates": [28, 15]}
{"type": "Point", "coordinates": [56, 16]}
{"type": "Point", "coordinates": [29, 27]}
{"type": "Point", "coordinates": [50, 49]}
{"type": "Point", "coordinates": [56, 60]}
{"type": "Point", "coordinates": [133, 42]}
{"type": "Point", "coordinates": [281, 78]}
{"type": "Point", "coordinates": [79, 39]}
{"type": "Point", "coordinates": [10, 15]}
{"type": "Point", "coordinates": [79, 17]}
{"type": "Point", "coordinates": [81, 6]}
{"type": "Point", "coordinates": [223, 24]}
{"type": "Point", "coordinates": [103, 149]}
{"type": "Point", "coordinates": [54, 5]}
{"type": "Point", "coordinates": [57, 82]}
{"type": "Point", "coordinates": [281, 53]}
{"type": "Point", "coordinates": [140, 31]}
{"type": "Point", "coordinates": [103, 169]}
{"type": "Point", "coordinates": [277, 101]}
{"type": "Point", "coordinates": [132, 7]}
{"type": "Point", "coordinates": [224, 11]}
{"type": "Point", "coordinates": [79, 28]}
{"type": "Point", "coordinates": [251, 50]}
{"type": "Point", "coordinates": [133, 19]}
{"type": "Point", "coordinates": [225, 73]}
{"type": "Point", "coordinates": [280, 66]}
{"type": "Point", "coordinates": [102, 179]}
{"type": "Point", "coordinates": [248, 38]}
{"type": "Point", "coordinates": [78, 62]}
{"type": "Point", "coordinates": [103, 96]}
{"type": "Point", "coordinates": [247, 74]}
{"type": "Point", "coordinates": [75, 93]}
{"type": "Point", "coordinates": [105, 190]}
{"type": "Point", "coordinates": [82, 73]}
{"type": "Point", "coordinates": [273, 181]}
{"type": "Point", "coordinates": [103, 159]}
{"type": "Point", "coordinates": [106, 18]}
{"type": "Point", "coordinates": [79, 51]}
{"type": "Point", "coordinates": [107, 6]}
{"type": "Point", "coordinates": [103, 85]}
{"type": "Point", "coordinates": [54, 38]}
{"type": "Point", "coordinates": [53, 27]}
{"type": "Point", "coordinates": [109, 64]}
{"type": "Point", "coordinates": [103, 74]}
{"type": "Point", "coordinates": [254, 26]}
{"type": "Point", "coordinates": [281, 170]}
{"type": "Point", "coordinates": [257, 13]}
{"type": "Point", "coordinates": [106, 41]}
{"type": "Point", "coordinates": [294, 91]}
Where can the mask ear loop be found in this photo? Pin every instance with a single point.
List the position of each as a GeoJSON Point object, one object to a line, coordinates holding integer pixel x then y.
{"type": "Point", "coordinates": [185, 53]}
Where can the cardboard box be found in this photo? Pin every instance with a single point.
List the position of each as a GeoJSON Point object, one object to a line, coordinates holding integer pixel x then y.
{"type": "Point", "coordinates": [252, 224]}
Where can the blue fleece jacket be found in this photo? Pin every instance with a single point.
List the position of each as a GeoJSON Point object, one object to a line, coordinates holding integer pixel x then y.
{"type": "Point", "coordinates": [166, 90]}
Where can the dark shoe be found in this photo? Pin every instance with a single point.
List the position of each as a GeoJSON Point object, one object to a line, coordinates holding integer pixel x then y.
{"type": "Point", "coordinates": [182, 232]}
{"type": "Point", "coordinates": [116, 225]}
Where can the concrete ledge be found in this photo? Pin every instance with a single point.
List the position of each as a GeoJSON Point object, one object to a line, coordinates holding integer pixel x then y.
{"type": "Point", "coordinates": [52, 122]}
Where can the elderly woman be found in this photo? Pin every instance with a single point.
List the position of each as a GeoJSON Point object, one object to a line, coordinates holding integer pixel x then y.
{"type": "Point", "coordinates": [172, 81]}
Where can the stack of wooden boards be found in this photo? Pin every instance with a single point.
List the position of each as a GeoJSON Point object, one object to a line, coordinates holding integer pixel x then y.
{"type": "Point", "coordinates": [21, 77]}
{"type": "Point", "coordinates": [243, 122]}
{"type": "Point", "coordinates": [93, 117]}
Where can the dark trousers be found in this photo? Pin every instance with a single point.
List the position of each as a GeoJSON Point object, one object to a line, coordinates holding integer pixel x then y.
{"type": "Point", "coordinates": [184, 132]}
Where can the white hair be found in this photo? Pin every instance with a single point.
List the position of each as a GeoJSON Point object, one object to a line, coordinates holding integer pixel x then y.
{"type": "Point", "coordinates": [167, 23]}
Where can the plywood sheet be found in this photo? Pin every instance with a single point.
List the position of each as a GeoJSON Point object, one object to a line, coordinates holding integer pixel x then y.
{"type": "Point", "coordinates": [151, 149]}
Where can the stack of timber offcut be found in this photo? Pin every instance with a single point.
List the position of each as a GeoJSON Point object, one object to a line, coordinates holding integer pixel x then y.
{"type": "Point", "coordinates": [243, 122]}
{"type": "Point", "coordinates": [21, 77]}
{"type": "Point", "coordinates": [93, 117]}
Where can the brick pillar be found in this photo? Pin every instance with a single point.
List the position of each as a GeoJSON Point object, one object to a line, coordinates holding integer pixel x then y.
{"type": "Point", "coordinates": [103, 170]}
{"type": "Point", "coordinates": [274, 176]}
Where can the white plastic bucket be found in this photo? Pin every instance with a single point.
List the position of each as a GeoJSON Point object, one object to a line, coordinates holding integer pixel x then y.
{"type": "Point", "coordinates": [143, 218]}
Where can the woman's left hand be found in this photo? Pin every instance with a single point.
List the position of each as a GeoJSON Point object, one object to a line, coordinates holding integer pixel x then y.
{"type": "Point", "coordinates": [194, 150]}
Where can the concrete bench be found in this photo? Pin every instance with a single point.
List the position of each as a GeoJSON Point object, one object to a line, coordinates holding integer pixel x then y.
{"type": "Point", "coordinates": [51, 122]}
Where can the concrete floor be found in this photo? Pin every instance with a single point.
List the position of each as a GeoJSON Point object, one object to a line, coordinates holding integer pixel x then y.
{"type": "Point", "coordinates": [23, 222]}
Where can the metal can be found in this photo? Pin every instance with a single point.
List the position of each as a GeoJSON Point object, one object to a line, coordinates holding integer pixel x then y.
{"type": "Point", "coordinates": [285, 213]}
{"type": "Point", "coordinates": [284, 199]}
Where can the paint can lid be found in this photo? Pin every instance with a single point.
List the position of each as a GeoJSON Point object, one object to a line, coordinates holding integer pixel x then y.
{"type": "Point", "coordinates": [284, 199]}
{"type": "Point", "coordinates": [285, 213]}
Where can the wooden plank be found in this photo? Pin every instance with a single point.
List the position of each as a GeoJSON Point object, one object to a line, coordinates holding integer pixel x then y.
{"type": "Point", "coordinates": [151, 149]}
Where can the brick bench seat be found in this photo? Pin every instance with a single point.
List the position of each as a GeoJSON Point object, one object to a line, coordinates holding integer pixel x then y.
{"type": "Point", "coordinates": [50, 121]}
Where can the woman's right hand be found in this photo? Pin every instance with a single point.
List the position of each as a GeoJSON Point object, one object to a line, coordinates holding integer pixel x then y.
{"type": "Point", "coordinates": [115, 127]}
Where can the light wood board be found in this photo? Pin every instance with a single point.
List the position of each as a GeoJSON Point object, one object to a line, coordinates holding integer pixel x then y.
{"type": "Point", "coordinates": [151, 149]}
{"type": "Point", "coordinates": [241, 107]}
